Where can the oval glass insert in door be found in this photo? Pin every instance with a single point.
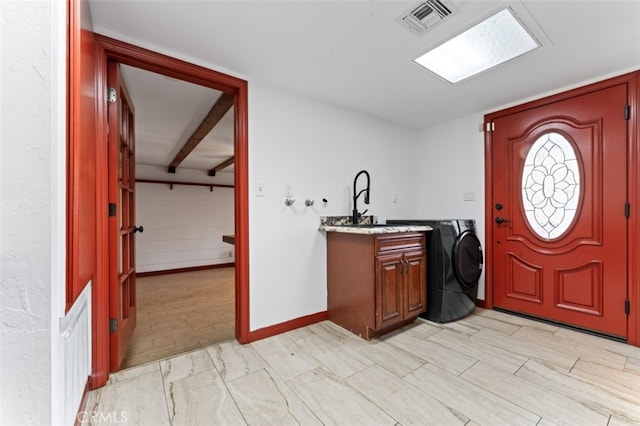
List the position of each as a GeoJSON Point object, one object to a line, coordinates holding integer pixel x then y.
{"type": "Point", "coordinates": [550, 186]}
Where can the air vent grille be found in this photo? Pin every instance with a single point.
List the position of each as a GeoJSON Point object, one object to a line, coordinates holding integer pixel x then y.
{"type": "Point", "coordinates": [425, 15]}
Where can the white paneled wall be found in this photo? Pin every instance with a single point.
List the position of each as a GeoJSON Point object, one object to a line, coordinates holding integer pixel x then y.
{"type": "Point", "coordinates": [183, 226]}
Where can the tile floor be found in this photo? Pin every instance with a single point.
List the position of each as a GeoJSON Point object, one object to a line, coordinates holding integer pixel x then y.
{"type": "Point", "coordinates": [487, 369]}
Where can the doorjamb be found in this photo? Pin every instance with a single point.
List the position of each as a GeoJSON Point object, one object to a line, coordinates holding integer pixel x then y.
{"type": "Point", "coordinates": [128, 54]}
{"type": "Point", "coordinates": [633, 190]}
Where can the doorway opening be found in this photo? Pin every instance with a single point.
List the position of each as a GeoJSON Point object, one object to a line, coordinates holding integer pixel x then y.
{"type": "Point", "coordinates": [136, 57]}
{"type": "Point", "coordinates": [183, 209]}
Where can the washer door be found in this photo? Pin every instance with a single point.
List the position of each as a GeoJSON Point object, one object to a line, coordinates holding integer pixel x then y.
{"type": "Point", "coordinates": [467, 259]}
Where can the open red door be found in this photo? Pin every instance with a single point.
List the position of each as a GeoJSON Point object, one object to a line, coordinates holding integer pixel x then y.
{"type": "Point", "coordinates": [122, 272]}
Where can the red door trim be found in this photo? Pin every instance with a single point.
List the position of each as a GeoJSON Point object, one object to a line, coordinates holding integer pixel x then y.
{"type": "Point", "coordinates": [633, 249]}
{"type": "Point", "coordinates": [111, 49]}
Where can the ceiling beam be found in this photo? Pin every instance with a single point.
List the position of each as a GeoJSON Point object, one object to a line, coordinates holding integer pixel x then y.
{"type": "Point", "coordinates": [226, 163]}
{"type": "Point", "coordinates": [218, 110]}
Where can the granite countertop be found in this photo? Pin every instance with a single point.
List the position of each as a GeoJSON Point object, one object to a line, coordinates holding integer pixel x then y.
{"type": "Point", "coordinates": [377, 229]}
{"type": "Point", "coordinates": [368, 225]}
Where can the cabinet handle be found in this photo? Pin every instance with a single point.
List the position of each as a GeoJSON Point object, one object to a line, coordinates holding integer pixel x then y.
{"type": "Point", "coordinates": [405, 266]}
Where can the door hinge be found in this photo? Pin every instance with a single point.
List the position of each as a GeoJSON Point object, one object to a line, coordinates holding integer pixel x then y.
{"type": "Point", "coordinates": [111, 95]}
{"type": "Point", "coordinates": [627, 210]}
{"type": "Point", "coordinates": [627, 112]}
{"type": "Point", "coordinates": [627, 307]}
{"type": "Point", "coordinates": [112, 209]}
{"type": "Point", "coordinates": [489, 127]}
{"type": "Point", "coordinates": [113, 325]}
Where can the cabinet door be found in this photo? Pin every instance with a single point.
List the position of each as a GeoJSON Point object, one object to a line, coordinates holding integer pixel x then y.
{"type": "Point", "coordinates": [415, 283]}
{"type": "Point", "coordinates": [389, 290]}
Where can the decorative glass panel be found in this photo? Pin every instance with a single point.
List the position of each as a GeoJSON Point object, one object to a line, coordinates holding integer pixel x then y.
{"type": "Point", "coordinates": [550, 185]}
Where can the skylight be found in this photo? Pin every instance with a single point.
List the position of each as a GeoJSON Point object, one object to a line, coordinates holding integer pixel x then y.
{"type": "Point", "coordinates": [492, 42]}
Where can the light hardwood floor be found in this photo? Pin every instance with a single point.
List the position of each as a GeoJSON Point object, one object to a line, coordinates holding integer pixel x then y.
{"type": "Point", "coordinates": [490, 368]}
{"type": "Point", "coordinates": [181, 312]}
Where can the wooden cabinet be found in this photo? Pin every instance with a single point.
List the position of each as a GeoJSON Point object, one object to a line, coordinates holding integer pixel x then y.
{"type": "Point", "coordinates": [375, 282]}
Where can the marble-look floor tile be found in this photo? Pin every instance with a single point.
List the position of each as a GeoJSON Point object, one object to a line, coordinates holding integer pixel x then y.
{"type": "Point", "coordinates": [632, 365]}
{"type": "Point", "coordinates": [516, 320]}
{"type": "Point", "coordinates": [264, 398]}
{"type": "Point", "coordinates": [133, 372]}
{"type": "Point", "coordinates": [524, 348]}
{"type": "Point", "coordinates": [185, 365]}
{"type": "Point", "coordinates": [422, 347]}
{"type": "Point", "coordinates": [330, 328]}
{"type": "Point", "coordinates": [137, 401]}
{"type": "Point", "coordinates": [284, 356]}
{"type": "Point", "coordinates": [583, 351]}
{"type": "Point", "coordinates": [374, 351]}
{"type": "Point", "coordinates": [391, 358]}
{"type": "Point", "coordinates": [476, 403]}
{"type": "Point", "coordinates": [583, 392]}
{"type": "Point", "coordinates": [329, 352]}
{"type": "Point", "coordinates": [403, 401]}
{"type": "Point", "coordinates": [600, 342]}
{"type": "Point", "coordinates": [459, 326]}
{"type": "Point", "coordinates": [422, 329]}
{"type": "Point", "coordinates": [541, 400]}
{"type": "Point", "coordinates": [495, 356]}
{"type": "Point", "coordinates": [201, 399]}
{"type": "Point", "coordinates": [613, 380]}
{"type": "Point", "coordinates": [335, 402]}
{"type": "Point", "coordinates": [569, 378]}
{"type": "Point", "coordinates": [620, 421]}
{"type": "Point", "coordinates": [492, 324]}
{"type": "Point", "coordinates": [234, 360]}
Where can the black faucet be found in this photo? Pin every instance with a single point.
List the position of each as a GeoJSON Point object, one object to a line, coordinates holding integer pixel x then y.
{"type": "Point", "coordinates": [356, 215]}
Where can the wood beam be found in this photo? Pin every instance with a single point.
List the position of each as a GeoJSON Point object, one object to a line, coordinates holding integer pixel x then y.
{"type": "Point", "coordinates": [226, 163]}
{"type": "Point", "coordinates": [218, 110]}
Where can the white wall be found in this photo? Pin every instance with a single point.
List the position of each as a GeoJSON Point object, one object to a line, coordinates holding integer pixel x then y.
{"type": "Point", "coordinates": [318, 149]}
{"type": "Point", "coordinates": [32, 233]}
{"type": "Point", "coordinates": [452, 163]}
{"type": "Point", "coordinates": [183, 226]}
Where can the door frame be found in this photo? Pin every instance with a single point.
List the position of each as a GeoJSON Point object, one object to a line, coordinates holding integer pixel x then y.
{"type": "Point", "coordinates": [633, 190]}
{"type": "Point", "coordinates": [128, 54]}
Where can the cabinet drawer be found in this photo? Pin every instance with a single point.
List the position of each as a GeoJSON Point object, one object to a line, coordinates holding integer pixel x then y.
{"type": "Point", "coordinates": [399, 242]}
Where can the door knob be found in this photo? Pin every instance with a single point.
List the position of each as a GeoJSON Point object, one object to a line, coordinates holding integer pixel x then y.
{"type": "Point", "coordinates": [500, 220]}
{"type": "Point", "coordinates": [139, 229]}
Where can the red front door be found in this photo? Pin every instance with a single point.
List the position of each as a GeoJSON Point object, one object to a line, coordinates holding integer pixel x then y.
{"type": "Point", "coordinates": [558, 202]}
{"type": "Point", "coordinates": [122, 273]}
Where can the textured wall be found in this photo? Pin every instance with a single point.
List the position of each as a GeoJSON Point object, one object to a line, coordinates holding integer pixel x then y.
{"type": "Point", "coordinates": [32, 206]}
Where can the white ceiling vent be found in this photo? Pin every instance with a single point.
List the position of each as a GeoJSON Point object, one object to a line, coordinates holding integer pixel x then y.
{"type": "Point", "coordinates": [421, 18]}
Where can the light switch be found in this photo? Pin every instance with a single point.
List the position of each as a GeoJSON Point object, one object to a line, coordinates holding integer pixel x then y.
{"type": "Point", "coordinates": [288, 190]}
{"type": "Point", "coordinates": [468, 196]}
{"type": "Point", "coordinates": [260, 190]}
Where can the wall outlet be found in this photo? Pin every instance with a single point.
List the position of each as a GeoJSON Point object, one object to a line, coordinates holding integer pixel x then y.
{"type": "Point", "coordinates": [468, 196]}
{"type": "Point", "coordinates": [260, 190]}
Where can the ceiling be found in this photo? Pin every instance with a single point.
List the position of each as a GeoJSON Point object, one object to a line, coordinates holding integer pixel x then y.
{"type": "Point", "coordinates": [354, 54]}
